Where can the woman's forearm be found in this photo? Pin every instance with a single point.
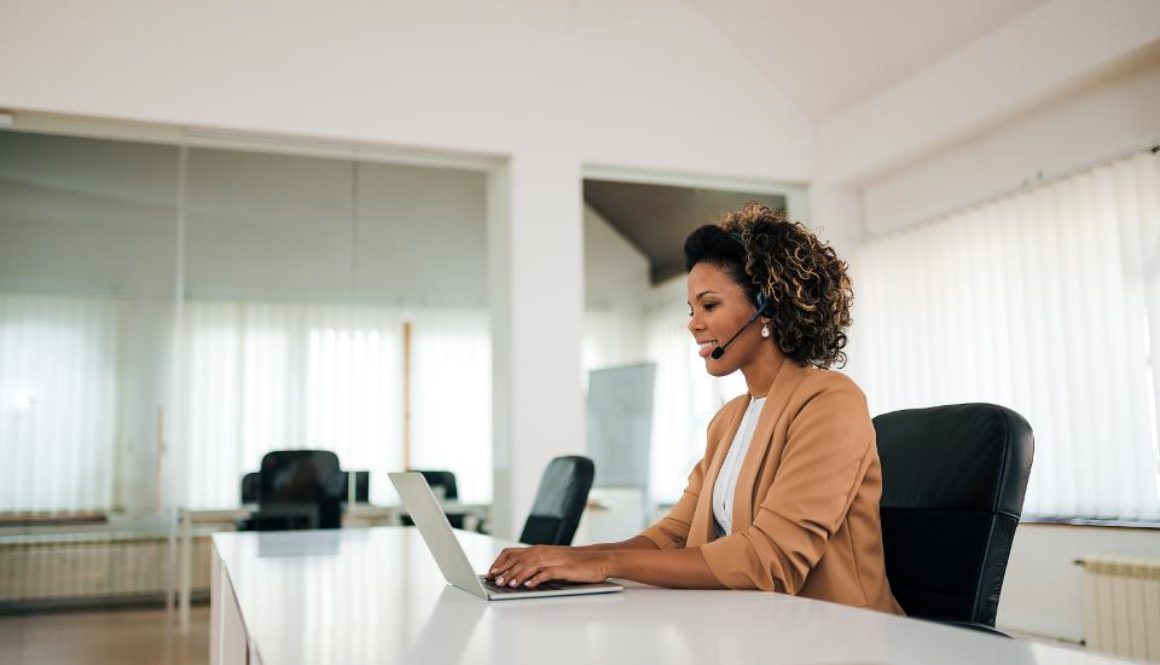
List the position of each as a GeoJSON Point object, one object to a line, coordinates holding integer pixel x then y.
{"type": "Point", "coordinates": [680, 568]}
{"type": "Point", "coordinates": [634, 543]}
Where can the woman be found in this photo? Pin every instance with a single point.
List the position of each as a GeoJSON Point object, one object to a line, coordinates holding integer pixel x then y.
{"type": "Point", "coordinates": [786, 497]}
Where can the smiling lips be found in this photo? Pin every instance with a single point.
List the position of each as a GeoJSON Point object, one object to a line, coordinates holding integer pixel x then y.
{"type": "Point", "coordinates": [707, 347]}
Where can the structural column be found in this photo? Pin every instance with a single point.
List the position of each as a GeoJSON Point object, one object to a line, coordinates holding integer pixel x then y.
{"type": "Point", "coordinates": [536, 299]}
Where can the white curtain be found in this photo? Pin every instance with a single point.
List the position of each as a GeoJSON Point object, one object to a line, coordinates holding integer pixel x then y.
{"type": "Point", "coordinates": [451, 397]}
{"type": "Point", "coordinates": [1045, 301]}
{"type": "Point", "coordinates": [258, 377]}
{"type": "Point", "coordinates": [59, 362]}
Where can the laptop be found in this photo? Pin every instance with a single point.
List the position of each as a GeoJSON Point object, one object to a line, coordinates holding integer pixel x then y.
{"type": "Point", "coordinates": [436, 531]}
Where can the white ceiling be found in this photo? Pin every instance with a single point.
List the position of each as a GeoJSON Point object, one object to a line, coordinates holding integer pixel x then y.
{"type": "Point", "coordinates": [827, 55]}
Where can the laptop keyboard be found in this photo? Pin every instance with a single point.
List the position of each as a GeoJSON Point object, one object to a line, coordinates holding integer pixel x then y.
{"type": "Point", "coordinates": [546, 586]}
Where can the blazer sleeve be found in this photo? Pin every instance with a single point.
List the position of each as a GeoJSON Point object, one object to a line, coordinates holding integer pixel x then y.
{"type": "Point", "coordinates": [828, 451]}
{"type": "Point", "coordinates": [672, 530]}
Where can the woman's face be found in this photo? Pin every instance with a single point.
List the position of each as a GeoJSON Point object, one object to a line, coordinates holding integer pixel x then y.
{"type": "Point", "coordinates": [718, 307]}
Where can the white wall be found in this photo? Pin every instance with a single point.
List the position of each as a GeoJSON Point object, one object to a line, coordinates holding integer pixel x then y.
{"type": "Point", "coordinates": [1105, 117]}
{"type": "Point", "coordinates": [1043, 590]}
{"type": "Point", "coordinates": [1029, 61]}
{"type": "Point", "coordinates": [616, 287]}
{"type": "Point", "coordinates": [636, 84]}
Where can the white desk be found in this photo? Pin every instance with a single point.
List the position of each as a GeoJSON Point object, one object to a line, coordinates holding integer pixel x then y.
{"type": "Point", "coordinates": [353, 514]}
{"type": "Point", "coordinates": [375, 596]}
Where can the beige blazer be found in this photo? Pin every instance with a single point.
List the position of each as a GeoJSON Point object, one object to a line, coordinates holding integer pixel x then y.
{"type": "Point", "coordinates": [805, 511]}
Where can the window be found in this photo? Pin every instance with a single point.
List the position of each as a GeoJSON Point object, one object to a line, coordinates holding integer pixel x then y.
{"type": "Point", "coordinates": [451, 397]}
{"type": "Point", "coordinates": [261, 377]}
{"type": "Point", "coordinates": [1045, 301]}
{"type": "Point", "coordinates": [59, 363]}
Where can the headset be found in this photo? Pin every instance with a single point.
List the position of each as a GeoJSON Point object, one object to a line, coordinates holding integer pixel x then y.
{"type": "Point", "coordinates": [762, 304]}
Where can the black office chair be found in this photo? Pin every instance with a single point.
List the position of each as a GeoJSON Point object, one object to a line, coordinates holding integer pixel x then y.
{"type": "Point", "coordinates": [299, 489]}
{"type": "Point", "coordinates": [445, 480]}
{"type": "Point", "coordinates": [560, 502]}
{"type": "Point", "coordinates": [953, 480]}
{"type": "Point", "coordinates": [251, 487]}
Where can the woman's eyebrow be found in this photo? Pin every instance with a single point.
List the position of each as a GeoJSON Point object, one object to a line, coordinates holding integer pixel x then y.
{"type": "Point", "coordinates": [699, 296]}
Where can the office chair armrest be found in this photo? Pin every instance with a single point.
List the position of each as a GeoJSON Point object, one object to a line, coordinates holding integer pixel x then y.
{"type": "Point", "coordinates": [982, 628]}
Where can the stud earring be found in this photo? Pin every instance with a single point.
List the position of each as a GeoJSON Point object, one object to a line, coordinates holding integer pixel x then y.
{"type": "Point", "coordinates": [765, 331]}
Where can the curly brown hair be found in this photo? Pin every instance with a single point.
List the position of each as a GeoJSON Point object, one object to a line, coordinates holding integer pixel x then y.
{"type": "Point", "coordinates": [805, 284]}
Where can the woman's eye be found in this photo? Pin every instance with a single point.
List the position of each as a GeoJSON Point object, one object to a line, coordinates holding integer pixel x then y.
{"type": "Point", "coordinates": [710, 306]}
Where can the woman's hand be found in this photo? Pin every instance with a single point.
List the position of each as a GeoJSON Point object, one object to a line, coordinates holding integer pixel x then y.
{"type": "Point", "coordinates": [531, 566]}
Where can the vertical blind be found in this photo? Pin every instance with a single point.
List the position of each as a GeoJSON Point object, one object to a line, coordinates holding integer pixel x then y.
{"type": "Point", "coordinates": [59, 401]}
{"type": "Point", "coordinates": [260, 377]}
{"type": "Point", "coordinates": [451, 397]}
{"type": "Point", "coordinates": [1045, 301]}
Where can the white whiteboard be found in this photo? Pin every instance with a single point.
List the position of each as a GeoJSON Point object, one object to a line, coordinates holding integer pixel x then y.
{"type": "Point", "coordinates": [619, 424]}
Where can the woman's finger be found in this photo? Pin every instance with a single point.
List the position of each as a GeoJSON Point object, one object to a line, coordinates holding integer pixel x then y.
{"type": "Point", "coordinates": [506, 567]}
{"type": "Point", "coordinates": [525, 568]}
{"type": "Point", "coordinates": [503, 561]}
{"type": "Point", "coordinates": [544, 575]}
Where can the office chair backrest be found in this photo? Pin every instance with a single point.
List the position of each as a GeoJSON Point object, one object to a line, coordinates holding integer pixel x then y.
{"type": "Point", "coordinates": [251, 487]}
{"type": "Point", "coordinates": [560, 502]}
{"type": "Point", "coordinates": [304, 478]}
{"type": "Point", "coordinates": [953, 480]}
{"type": "Point", "coordinates": [444, 479]}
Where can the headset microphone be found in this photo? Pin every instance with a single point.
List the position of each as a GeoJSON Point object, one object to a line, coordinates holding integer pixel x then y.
{"type": "Point", "coordinates": [759, 301]}
{"type": "Point", "coordinates": [720, 350]}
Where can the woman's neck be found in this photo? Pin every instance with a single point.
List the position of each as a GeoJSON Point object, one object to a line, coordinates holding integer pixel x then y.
{"type": "Point", "coordinates": [762, 370]}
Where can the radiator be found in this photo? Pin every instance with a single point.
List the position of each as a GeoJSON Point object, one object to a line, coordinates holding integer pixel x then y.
{"type": "Point", "coordinates": [1122, 606]}
{"type": "Point", "coordinates": [81, 568]}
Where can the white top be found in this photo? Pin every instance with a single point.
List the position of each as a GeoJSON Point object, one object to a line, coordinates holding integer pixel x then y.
{"type": "Point", "coordinates": [723, 491]}
{"type": "Point", "coordinates": [375, 596]}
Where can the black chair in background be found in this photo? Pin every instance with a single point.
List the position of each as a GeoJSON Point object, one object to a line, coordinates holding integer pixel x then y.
{"type": "Point", "coordinates": [953, 480]}
{"type": "Point", "coordinates": [560, 502]}
{"type": "Point", "coordinates": [251, 487]}
{"type": "Point", "coordinates": [298, 489]}
{"type": "Point", "coordinates": [445, 481]}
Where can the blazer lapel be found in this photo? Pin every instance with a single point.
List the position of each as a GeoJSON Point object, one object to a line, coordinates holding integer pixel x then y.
{"type": "Point", "coordinates": [701, 529]}
{"type": "Point", "coordinates": [787, 379]}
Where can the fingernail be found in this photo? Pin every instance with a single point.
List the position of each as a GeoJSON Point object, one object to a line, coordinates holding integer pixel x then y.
{"type": "Point", "coordinates": [499, 582]}
{"type": "Point", "coordinates": [512, 583]}
{"type": "Point", "coordinates": [528, 583]}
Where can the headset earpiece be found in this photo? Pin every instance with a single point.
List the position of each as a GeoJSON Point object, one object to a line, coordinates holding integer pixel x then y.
{"type": "Point", "coordinates": [761, 304]}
